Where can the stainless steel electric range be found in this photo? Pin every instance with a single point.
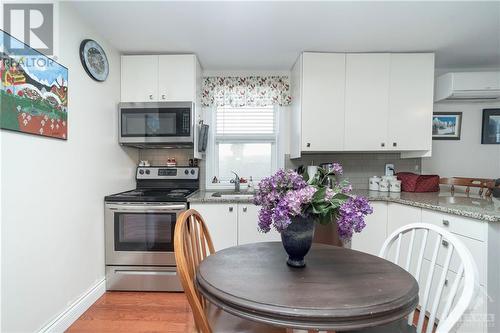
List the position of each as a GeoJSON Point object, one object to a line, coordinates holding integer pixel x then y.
{"type": "Point", "coordinates": [139, 229]}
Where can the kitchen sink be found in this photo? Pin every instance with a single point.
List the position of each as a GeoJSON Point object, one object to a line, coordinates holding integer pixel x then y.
{"type": "Point", "coordinates": [232, 195]}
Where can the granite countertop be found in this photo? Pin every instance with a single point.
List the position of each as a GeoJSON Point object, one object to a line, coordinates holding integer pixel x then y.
{"type": "Point", "coordinates": [206, 196]}
{"type": "Point", "coordinates": [472, 206]}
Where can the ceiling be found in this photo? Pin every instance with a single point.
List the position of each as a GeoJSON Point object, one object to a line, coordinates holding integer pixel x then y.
{"type": "Point", "coordinates": [270, 35]}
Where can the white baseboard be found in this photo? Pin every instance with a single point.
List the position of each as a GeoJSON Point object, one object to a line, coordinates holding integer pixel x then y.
{"type": "Point", "coordinates": [64, 320]}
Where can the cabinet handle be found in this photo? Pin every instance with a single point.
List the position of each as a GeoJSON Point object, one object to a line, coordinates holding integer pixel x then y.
{"type": "Point", "coordinates": [230, 209]}
{"type": "Point", "coordinates": [446, 282]}
{"type": "Point", "coordinates": [308, 145]}
{"type": "Point", "coordinates": [445, 243]}
{"type": "Point", "coordinates": [244, 209]}
{"type": "Point", "coordinates": [382, 144]}
{"type": "Point", "coordinates": [394, 144]}
{"type": "Point", "coordinates": [163, 96]}
{"type": "Point", "coordinates": [446, 223]}
{"type": "Point", "coordinates": [150, 96]}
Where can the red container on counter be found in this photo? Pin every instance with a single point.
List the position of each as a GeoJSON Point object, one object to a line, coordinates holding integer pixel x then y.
{"type": "Point", "coordinates": [411, 182]}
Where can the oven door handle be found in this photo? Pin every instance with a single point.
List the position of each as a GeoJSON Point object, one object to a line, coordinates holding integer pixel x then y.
{"type": "Point", "coordinates": [146, 208]}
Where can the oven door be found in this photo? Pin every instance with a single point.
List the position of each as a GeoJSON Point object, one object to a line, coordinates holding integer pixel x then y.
{"type": "Point", "coordinates": [156, 123]}
{"type": "Point", "coordinates": [141, 233]}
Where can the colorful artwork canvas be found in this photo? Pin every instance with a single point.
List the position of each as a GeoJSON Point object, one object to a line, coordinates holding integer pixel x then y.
{"type": "Point", "coordinates": [34, 92]}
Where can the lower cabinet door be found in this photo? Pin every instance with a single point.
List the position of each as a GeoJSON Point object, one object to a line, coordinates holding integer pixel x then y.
{"type": "Point", "coordinates": [372, 237]}
{"type": "Point", "coordinates": [247, 226]}
{"type": "Point", "coordinates": [222, 223]}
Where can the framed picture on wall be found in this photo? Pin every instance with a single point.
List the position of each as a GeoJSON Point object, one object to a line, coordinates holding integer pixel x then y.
{"type": "Point", "coordinates": [446, 125]}
{"type": "Point", "coordinates": [491, 126]}
{"type": "Point", "coordinates": [33, 91]}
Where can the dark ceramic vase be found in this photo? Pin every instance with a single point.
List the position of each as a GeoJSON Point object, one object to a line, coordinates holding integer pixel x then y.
{"type": "Point", "coordinates": [297, 240]}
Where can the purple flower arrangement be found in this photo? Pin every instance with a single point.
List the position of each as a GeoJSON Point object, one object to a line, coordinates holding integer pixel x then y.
{"type": "Point", "coordinates": [287, 194]}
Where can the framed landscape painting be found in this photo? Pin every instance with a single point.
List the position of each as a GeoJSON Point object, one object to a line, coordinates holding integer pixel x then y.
{"type": "Point", "coordinates": [491, 126]}
{"type": "Point", "coordinates": [34, 92]}
{"type": "Point", "coordinates": [446, 125]}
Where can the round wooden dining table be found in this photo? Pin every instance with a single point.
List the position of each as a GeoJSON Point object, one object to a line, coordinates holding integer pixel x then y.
{"type": "Point", "coordinates": [339, 289]}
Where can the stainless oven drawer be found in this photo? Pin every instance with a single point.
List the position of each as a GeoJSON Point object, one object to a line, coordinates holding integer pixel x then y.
{"type": "Point", "coordinates": [142, 278]}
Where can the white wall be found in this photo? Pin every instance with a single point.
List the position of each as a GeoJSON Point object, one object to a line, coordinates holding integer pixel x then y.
{"type": "Point", "coordinates": [52, 194]}
{"type": "Point", "coordinates": [466, 157]}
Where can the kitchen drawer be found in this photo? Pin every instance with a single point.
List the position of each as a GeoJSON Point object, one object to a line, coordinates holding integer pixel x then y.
{"type": "Point", "coordinates": [475, 319]}
{"type": "Point", "coordinates": [459, 225]}
{"type": "Point", "coordinates": [476, 248]}
{"type": "Point", "coordinates": [133, 278]}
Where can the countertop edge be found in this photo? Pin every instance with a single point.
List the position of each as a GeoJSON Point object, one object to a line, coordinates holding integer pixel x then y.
{"type": "Point", "coordinates": [201, 197]}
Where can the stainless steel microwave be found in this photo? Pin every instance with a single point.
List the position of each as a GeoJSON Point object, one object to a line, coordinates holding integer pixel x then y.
{"type": "Point", "coordinates": [156, 124]}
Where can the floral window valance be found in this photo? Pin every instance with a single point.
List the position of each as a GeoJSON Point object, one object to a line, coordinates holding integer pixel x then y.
{"type": "Point", "coordinates": [245, 91]}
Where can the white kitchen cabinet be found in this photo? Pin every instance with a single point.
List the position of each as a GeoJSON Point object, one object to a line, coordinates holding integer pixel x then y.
{"type": "Point", "coordinates": [367, 101]}
{"type": "Point", "coordinates": [481, 238]}
{"type": "Point", "coordinates": [177, 77]}
{"type": "Point", "coordinates": [160, 78]}
{"type": "Point", "coordinates": [222, 223]}
{"type": "Point", "coordinates": [401, 215]}
{"type": "Point", "coordinates": [372, 237]}
{"type": "Point", "coordinates": [411, 91]}
{"type": "Point", "coordinates": [232, 224]}
{"type": "Point", "coordinates": [322, 101]}
{"type": "Point", "coordinates": [139, 78]}
{"type": "Point", "coordinates": [362, 102]}
{"type": "Point", "coordinates": [247, 226]}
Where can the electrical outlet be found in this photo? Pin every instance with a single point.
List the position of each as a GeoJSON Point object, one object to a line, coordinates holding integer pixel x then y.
{"type": "Point", "coordinates": [389, 169]}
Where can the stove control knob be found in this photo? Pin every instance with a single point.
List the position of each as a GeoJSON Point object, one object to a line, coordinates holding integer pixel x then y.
{"type": "Point", "coordinates": [148, 172]}
{"type": "Point", "coordinates": [186, 172]}
{"type": "Point", "coordinates": [141, 172]}
{"type": "Point", "coordinates": [192, 171]}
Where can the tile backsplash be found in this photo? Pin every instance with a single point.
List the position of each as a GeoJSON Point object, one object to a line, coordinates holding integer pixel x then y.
{"type": "Point", "coordinates": [160, 156]}
{"type": "Point", "coordinates": [358, 167]}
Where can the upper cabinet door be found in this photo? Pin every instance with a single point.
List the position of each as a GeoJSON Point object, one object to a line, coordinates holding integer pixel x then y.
{"type": "Point", "coordinates": [411, 101]}
{"type": "Point", "coordinates": [367, 101]}
{"type": "Point", "coordinates": [139, 78]}
{"type": "Point", "coordinates": [177, 77]}
{"type": "Point", "coordinates": [323, 101]}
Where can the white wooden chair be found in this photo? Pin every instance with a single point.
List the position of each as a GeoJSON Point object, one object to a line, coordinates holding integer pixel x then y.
{"type": "Point", "coordinates": [412, 255]}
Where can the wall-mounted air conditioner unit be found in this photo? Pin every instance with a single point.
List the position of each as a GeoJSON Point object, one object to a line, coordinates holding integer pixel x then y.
{"type": "Point", "coordinates": [468, 86]}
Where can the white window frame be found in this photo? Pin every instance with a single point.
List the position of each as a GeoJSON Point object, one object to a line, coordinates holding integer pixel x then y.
{"type": "Point", "coordinates": [212, 156]}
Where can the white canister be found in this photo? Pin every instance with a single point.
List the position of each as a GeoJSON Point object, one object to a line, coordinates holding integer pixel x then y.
{"type": "Point", "coordinates": [383, 186]}
{"type": "Point", "coordinates": [373, 183]}
{"type": "Point", "coordinates": [390, 178]}
{"type": "Point", "coordinates": [395, 186]}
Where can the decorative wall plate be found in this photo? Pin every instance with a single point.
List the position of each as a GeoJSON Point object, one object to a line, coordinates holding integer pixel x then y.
{"type": "Point", "coordinates": [94, 60]}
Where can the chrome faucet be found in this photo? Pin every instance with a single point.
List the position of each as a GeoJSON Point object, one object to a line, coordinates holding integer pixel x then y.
{"type": "Point", "coordinates": [236, 182]}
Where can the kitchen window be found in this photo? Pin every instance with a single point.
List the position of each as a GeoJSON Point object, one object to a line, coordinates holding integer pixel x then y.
{"type": "Point", "coordinates": [244, 140]}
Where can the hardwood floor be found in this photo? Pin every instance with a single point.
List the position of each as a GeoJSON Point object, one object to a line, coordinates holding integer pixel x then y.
{"type": "Point", "coordinates": [136, 312]}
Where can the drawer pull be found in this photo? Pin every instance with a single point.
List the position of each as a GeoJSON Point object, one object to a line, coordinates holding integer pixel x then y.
{"type": "Point", "coordinates": [446, 222]}
{"type": "Point", "coordinates": [445, 282]}
{"type": "Point", "coordinates": [445, 243]}
{"type": "Point", "coordinates": [150, 96]}
{"type": "Point", "coordinates": [382, 144]}
{"type": "Point", "coordinates": [244, 209]}
{"type": "Point", "coordinates": [230, 209]}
